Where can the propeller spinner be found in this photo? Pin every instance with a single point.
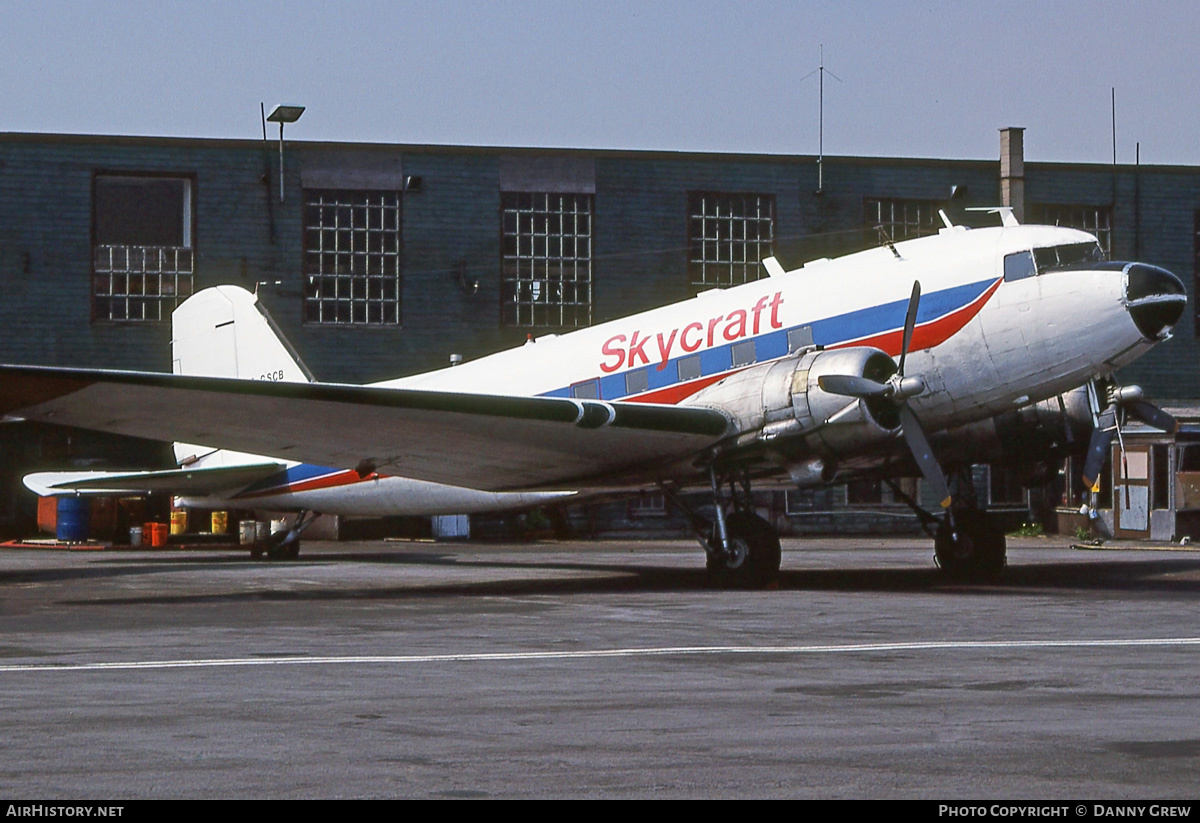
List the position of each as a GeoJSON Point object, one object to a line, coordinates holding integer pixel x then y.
{"type": "Point", "coordinates": [898, 389]}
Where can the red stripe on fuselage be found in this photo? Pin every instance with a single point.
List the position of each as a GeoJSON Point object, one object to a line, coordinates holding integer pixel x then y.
{"type": "Point", "coordinates": [346, 477]}
{"type": "Point", "coordinates": [670, 395]}
{"type": "Point", "coordinates": [926, 336]}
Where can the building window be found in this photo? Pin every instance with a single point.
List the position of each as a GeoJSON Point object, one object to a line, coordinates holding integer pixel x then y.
{"type": "Point", "coordinates": [546, 259]}
{"type": "Point", "coordinates": [648, 504]}
{"type": "Point", "coordinates": [894, 219]}
{"type": "Point", "coordinates": [864, 492]}
{"type": "Point", "coordinates": [1004, 486]}
{"type": "Point", "coordinates": [1095, 220]}
{"type": "Point", "coordinates": [798, 501]}
{"type": "Point", "coordinates": [352, 257]}
{"type": "Point", "coordinates": [728, 236]}
{"type": "Point", "coordinates": [142, 254]}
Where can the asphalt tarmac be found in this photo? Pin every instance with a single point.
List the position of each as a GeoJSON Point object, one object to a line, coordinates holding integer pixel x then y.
{"type": "Point", "coordinates": [597, 669]}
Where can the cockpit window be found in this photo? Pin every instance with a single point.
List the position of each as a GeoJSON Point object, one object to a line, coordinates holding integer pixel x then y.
{"type": "Point", "coordinates": [1018, 266]}
{"type": "Point", "coordinates": [1070, 255]}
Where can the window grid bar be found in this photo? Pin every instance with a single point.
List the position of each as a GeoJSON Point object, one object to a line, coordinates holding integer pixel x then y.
{"type": "Point", "coordinates": [546, 259]}
{"type": "Point", "coordinates": [728, 237]}
{"type": "Point", "coordinates": [352, 257]}
{"type": "Point", "coordinates": [900, 219]}
{"type": "Point", "coordinates": [136, 282]}
{"type": "Point", "coordinates": [1095, 220]}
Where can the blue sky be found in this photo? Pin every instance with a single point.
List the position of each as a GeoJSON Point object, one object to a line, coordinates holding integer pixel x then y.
{"type": "Point", "coordinates": [920, 79]}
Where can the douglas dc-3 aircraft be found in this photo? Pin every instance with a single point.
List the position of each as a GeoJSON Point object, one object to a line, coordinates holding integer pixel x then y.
{"type": "Point", "coordinates": [997, 343]}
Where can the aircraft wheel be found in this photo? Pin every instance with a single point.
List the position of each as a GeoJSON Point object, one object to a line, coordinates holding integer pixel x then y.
{"type": "Point", "coordinates": [754, 552]}
{"type": "Point", "coordinates": [976, 550]}
{"type": "Point", "coordinates": [284, 550]}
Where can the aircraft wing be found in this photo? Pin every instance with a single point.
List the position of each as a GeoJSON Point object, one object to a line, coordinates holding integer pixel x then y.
{"type": "Point", "coordinates": [487, 442]}
{"type": "Point", "coordinates": [198, 481]}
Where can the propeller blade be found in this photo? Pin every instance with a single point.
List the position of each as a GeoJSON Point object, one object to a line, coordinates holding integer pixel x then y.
{"type": "Point", "coordinates": [910, 323]}
{"type": "Point", "coordinates": [918, 444]}
{"type": "Point", "coordinates": [1098, 446]}
{"type": "Point", "coordinates": [1152, 415]}
{"type": "Point", "coordinates": [851, 386]}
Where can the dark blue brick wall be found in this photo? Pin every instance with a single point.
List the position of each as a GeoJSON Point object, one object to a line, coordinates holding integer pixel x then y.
{"type": "Point", "coordinates": [243, 235]}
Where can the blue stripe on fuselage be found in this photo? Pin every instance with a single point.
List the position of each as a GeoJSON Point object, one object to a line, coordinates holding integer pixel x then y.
{"type": "Point", "coordinates": [828, 332]}
{"type": "Point", "coordinates": [281, 480]}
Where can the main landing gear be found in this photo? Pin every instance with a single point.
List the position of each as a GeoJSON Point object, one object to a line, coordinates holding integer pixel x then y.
{"type": "Point", "coordinates": [969, 546]}
{"type": "Point", "coordinates": [285, 545]}
{"type": "Point", "coordinates": [741, 548]}
{"type": "Point", "coordinates": [967, 543]}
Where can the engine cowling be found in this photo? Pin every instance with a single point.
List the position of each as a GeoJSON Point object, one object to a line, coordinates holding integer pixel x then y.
{"type": "Point", "coordinates": [1031, 435]}
{"type": "Point", "coordinates": [782, 399]}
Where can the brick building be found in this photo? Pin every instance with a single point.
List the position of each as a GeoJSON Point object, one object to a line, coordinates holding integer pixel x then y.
{"type": "Point", "coordinates": [383, 260]}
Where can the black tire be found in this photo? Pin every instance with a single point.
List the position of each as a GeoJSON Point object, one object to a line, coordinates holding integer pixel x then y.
{"type": "Point", "coordinates": [976, 550]}
{"type": "Point", "coordinates": [284, 551]}
{"type": "Point", "coordinates": [756, 553]}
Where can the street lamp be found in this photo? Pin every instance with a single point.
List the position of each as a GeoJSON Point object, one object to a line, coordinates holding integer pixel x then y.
{"type": "Point", "coordinates": [281, 115]}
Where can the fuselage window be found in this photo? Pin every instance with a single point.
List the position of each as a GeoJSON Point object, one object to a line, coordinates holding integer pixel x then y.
{"type": "Point", "coordinates": [1072, 255]}
{"type": "Point", "coordinates": [689, 368]}
{"type": "Point", "coordinates": [588, 390]}
{"type": "Point", "coordinates": [637, 381]}
{"type": "Point", "coordinates": [799, 338]}
{"type": "Point", "coordinates": [1018, 266]}
{"type": "Point", "coordinates": [743, 353]}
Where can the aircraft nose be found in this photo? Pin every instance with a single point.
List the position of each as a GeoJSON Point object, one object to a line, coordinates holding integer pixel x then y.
{"type": "Point", "coordinates": [1154, 297]}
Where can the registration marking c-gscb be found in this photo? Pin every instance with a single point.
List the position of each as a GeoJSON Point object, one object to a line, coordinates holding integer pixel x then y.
{"type": "Point", "coordinates": [659, 651]}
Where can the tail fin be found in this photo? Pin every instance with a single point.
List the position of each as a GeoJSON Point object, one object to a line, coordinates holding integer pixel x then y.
{"type": "Point", "coordinates": [225, 332]}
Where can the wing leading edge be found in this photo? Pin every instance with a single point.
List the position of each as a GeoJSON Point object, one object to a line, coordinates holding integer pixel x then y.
{"type": "Point", "coordinates": [200, 481]}
{"type": "Point", "coordinates": [487, 442]}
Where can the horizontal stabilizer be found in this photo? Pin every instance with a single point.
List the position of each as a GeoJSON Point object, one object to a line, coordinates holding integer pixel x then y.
{"type": "Point", "coordinates": [193, 481]}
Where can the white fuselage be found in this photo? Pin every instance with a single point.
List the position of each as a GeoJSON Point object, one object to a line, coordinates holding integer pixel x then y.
{"type": "Point", "coordinates": [983, 345]}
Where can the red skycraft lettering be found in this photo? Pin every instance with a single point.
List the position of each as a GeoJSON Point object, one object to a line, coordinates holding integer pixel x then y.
{"type": "Point", "coordinates": [638, 349]}
{"type": "Point", "coordinates": [692, 337]}
{"type": "Point", "coordinates": [665, 351]}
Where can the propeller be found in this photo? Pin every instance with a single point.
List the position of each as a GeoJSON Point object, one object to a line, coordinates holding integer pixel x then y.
{"type": "Point", "coordinates": [1124, 401]}
{"type": "Point", "coordinates": [898, 389]}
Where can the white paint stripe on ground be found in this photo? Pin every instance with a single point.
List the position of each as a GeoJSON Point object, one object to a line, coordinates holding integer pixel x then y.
{"type": "Point", "coordinates": [664, 651]}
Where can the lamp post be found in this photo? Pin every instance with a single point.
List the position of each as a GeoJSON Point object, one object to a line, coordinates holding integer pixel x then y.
{"type": "Point", "coordinates": [281, 115]}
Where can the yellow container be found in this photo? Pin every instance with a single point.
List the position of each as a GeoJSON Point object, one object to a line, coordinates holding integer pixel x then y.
{"type": "Point", "coordinates": [179, 522]}
{"type": "Point", "coordinates": [220, 522]}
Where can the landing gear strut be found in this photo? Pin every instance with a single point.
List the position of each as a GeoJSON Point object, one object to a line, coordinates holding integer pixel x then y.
{"type": "Point", "coordinates": [741, 548]}
{"type": "Point", "coordinates": [285, 545]}
{"type": "Point", "coordinates": [752, 555]}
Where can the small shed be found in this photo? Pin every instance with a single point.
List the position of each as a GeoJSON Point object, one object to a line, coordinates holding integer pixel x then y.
{"type": "Point", "coordinates": [1151, 488]}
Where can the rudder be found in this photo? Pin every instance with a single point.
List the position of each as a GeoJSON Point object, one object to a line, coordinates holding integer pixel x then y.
{"type": "Point", "coordinates": [224, 331]}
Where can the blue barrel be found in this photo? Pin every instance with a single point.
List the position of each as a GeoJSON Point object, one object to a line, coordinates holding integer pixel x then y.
{"type": "Point", "coordinates": [71, 521]}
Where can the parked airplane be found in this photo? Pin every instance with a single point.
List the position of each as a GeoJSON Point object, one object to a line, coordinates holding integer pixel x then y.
{"type": "Point", "coordinates": [1006, 340]}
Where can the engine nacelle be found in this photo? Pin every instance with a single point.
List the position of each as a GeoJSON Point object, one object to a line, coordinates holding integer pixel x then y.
{"type": "Point", "coordinates": [1032, 435]}
{"type": "Point", "coordinates": [782, 399]}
